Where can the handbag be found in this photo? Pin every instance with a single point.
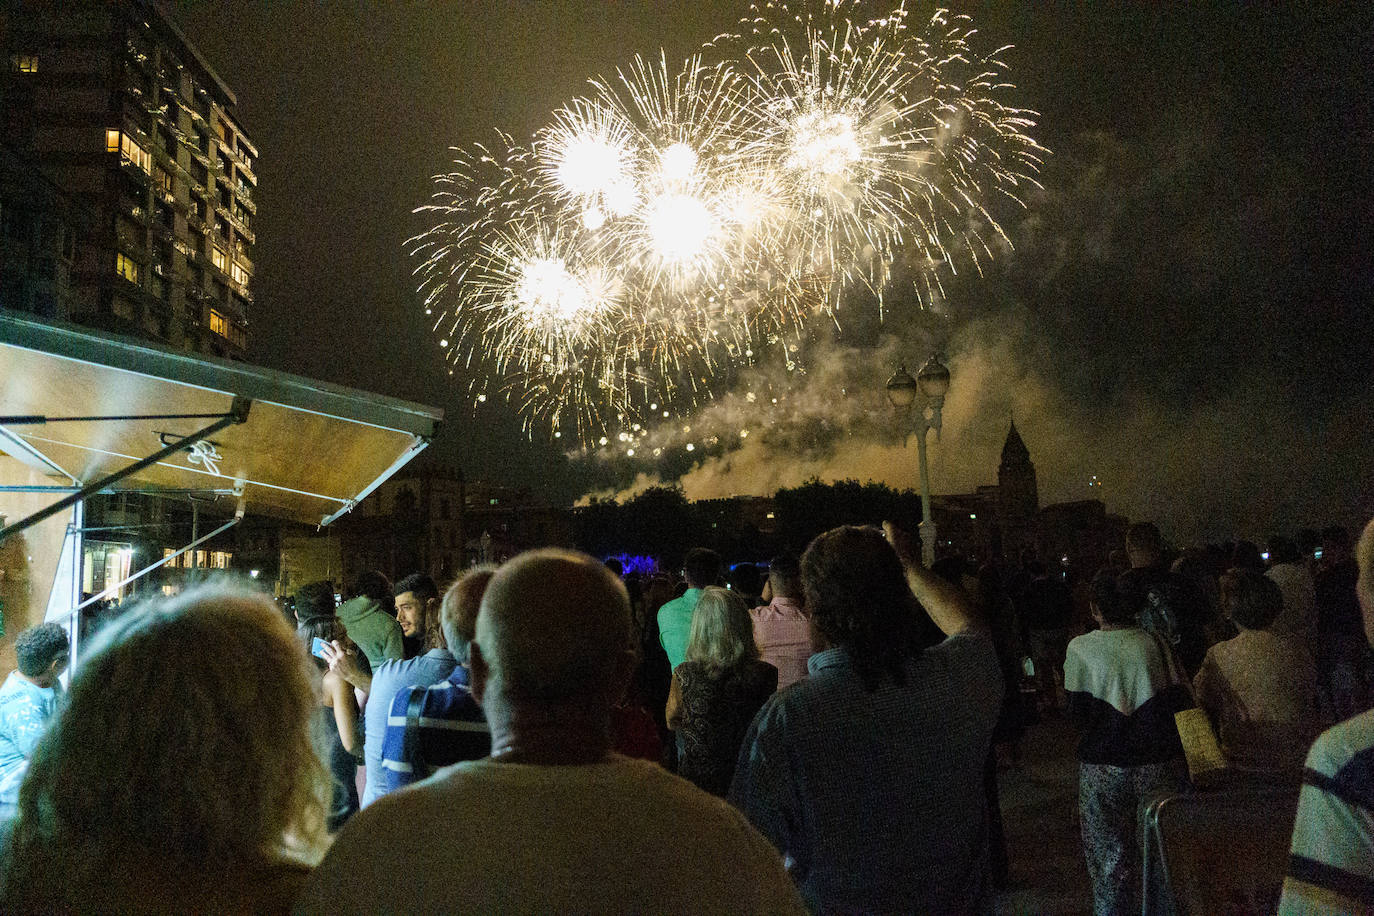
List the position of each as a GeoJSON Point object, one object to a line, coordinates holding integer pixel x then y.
{"type": "Point", "coordinates": [1201, 749]}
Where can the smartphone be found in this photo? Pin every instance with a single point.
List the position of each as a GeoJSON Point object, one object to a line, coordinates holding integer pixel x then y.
{"type": "Point", "coordinates": [317, 647]}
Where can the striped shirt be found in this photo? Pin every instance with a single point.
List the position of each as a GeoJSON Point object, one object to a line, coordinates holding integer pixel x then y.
{"type": "Point", "coordinates": [1331, 862]}
{"type": "Point", "coordinates": [448, 727]}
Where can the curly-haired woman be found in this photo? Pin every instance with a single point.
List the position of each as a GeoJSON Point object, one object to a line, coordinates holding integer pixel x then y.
{"type": "Point", "coordinates": [181, 775]}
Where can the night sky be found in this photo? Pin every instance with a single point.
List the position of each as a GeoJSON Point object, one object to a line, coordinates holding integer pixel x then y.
{"type": "Point", "coordinates": [1186, 314]}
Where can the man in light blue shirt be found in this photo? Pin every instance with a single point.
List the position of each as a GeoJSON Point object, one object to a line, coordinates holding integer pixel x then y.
{"type": "Point", "coordinates": [701, 568]}
{"type": "Point", "coordinates": [433, 666]}
{"type": "Point", "coordinates": [28, 699]}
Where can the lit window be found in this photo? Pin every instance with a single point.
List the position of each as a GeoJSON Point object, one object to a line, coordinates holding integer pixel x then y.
{"type": "Point", "coordinates": [130, 150]}
{"type": "Point", "coordinates": [25, 63]}
{"type": "Point", "coordinates": [218, 324]}
{"type": "Point", "coordinates": [126, 267]}
{"type": "Point", "coordinates": [217, 258]}
{"type": "Point", "coordinates": [239, 274]}
{"type": "Point", "coordinates": [112, 141]}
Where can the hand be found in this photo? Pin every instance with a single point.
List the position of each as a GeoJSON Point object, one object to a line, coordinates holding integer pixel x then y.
{"type": "Point", "coordinates": [343, 663]}
{"type": "Point", "coordinates": [908, 551]}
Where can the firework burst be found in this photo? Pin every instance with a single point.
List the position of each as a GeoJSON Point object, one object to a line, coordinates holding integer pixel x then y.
{"type": "Point", "coordinates": [662, 230]}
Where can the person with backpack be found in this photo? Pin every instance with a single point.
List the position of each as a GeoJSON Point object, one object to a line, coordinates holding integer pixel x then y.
{"type": "Point", "coordinates": [433, 726]}
{"type": "Point", "coordinates": [1169, 605]}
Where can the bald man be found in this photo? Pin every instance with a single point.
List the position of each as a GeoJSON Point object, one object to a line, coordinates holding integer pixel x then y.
{"type": "Point", "coordinates": [553, 820]}
{"type": "Point", "coordinates": [1331, 862]}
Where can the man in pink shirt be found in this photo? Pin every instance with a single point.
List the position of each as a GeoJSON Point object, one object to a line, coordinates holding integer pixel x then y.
{"type": "Point", "coordinates": [781, 629]}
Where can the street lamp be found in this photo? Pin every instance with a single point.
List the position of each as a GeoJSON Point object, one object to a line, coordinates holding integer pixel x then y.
{"type": "Point", "coordinates": [932, 382]}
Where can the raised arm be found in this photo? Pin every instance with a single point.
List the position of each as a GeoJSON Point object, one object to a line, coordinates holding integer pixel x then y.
{"type": "Point", "coordinates": [945, 602]}
{"type": "Point", "coordinates": [344, 663]}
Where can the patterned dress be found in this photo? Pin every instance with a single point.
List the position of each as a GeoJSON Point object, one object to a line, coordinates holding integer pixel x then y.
{"type": "Point", "coordinates": [715, 713]}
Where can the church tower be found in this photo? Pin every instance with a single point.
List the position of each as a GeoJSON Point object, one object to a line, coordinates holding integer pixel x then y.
{"type": "Point", "coordinates": [1018, 496]}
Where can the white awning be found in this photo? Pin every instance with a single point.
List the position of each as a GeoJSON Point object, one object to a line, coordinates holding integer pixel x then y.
{"type": "Point", "coordinates": [82, 406]}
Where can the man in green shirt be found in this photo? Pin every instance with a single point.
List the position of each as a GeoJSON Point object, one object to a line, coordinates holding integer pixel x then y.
{"type": "Point", "coordinates": [374, 630]}
{"type": "Point", "coordinates": [701, 569]}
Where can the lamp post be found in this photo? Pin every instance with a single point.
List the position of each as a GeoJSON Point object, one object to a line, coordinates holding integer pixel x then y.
{"type": "Point", "coordinates": [932, 382]}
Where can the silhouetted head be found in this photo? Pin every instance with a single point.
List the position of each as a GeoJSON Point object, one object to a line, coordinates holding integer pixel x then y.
{"type": "Point", "coordinates": [1251, 599]}
{"type": "Point", "coordinates": [1144, 544]}
{"type": "Point", "coordinates": [784, 576]}
{"type": "Point", "coordinates": [702, 567]}
{"type": "Point", "coordinates": [722, 632]}
{"type": "Point", "coordinates": [858, 600]}
{"type": "Point", "coordinates": [459, 609]}
{"type": "Point", "coordinates": [554, 631]}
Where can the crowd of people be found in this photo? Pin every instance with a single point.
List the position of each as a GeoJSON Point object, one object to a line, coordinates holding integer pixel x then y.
{"type": "Point", "coordinates": [553, 735]}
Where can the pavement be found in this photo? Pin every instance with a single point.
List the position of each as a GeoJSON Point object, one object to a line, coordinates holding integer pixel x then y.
{"type": "Point", "coordinates": [1040, 816]}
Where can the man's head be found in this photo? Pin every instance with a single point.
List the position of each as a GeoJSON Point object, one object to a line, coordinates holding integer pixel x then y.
{"type": "Point", "coordinates": [1250, 598]}
{"type": "Point", "coordinates": [42, 653]}
{"type": "Point", "coordinates": [1364, 586]}
{"type": "Point", "coordinates": [1283, 550]}
{"type": "Point", "coordinates": [417, 609]}
{"type": "Point", "coordinates": [553, 633]}
{"type": "Point", "coordinates": [1335, 544]}
{"type": "Point", "coordinates": [315, 599]}
{"type": "Point", "coordinates": [702, 567]}
{"type": "Point", "coordinates": [458, 611]}
{"type": "Point", "coordinates": [1144, 545]}
{"type": "Point", "coordinates": [744, 580]}
{"type": "Point", "coordinates": [371, 584]}
{"type": "Point", "coordinates": [858, 599]}
{"type": "Point", "coordinates": [1109, 606]}
{"type": "Point", "coordinates": [784, 576]}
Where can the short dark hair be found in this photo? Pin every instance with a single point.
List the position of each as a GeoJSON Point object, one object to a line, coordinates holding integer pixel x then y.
{"type": "Point", "coordinates": [745, 580]}
{"type": "Point", "coordinates": [38, 647]}
{"type": "Point", "coordinates": [371, 584]}
{"type": "Point", "coordinates": [701, 567]}
{"type": "Point", "coordinates": [1283, 550]}
{"type": "Point", "coordinates": [1336, 535]}
{"type": "Point", "coordinates": [1144, 536]}
{"type": "Point", "coordinates": [1110, 603]}
{"type": "Point", "coordinates": [315, 599]}
{"type": "Point", "coordinates": [784, 574]}
{"type": "Point", "coordinates": [1253, 600]}
{"type": "Point", "coordinates": [858, 599]}
{"type": "Point", "coordinates": [419, 585]}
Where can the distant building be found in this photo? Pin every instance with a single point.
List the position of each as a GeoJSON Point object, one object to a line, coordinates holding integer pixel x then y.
{"type": "Point", "coordinates": [1006, 521]}
{"type": "Point", "coordinates": [150, 232]}
{"type": "Point", "coordinates": [429, 519]}
{"type": "Point", "coordinates": [38, 229]}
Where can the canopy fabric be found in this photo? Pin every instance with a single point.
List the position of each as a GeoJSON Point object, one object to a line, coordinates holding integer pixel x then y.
{"type": "Point", "coordinates": [308, 451]}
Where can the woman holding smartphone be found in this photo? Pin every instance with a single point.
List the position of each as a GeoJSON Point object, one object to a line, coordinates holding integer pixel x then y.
{"type": "Point", "coordinates": [335, 728]}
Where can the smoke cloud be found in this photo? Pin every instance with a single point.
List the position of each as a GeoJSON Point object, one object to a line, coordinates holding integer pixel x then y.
{"type": "Point", "coordinates": [1144, 330]}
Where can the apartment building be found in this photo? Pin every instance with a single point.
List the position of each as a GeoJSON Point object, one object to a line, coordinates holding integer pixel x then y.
{"type": "Point", "coordinates": [132, 129]}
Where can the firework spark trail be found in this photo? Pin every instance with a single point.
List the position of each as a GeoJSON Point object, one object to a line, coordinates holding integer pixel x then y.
{"type": "Point", "coordinates": [663, 230]}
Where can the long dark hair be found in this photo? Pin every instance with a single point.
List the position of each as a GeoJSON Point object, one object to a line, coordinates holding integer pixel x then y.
{"type": "Point", "coordinates": [859, 600]}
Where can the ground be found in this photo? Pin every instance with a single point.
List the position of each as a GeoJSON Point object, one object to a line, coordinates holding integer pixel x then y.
{"type": "Point", "coordinates": [1040, 813]}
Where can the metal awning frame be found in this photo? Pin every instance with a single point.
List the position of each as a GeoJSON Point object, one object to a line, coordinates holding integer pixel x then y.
{"type": "Point", "coordinates": [237, 414]}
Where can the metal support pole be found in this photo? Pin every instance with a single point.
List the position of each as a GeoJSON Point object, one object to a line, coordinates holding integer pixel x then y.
{"type": "Point", "coordinates": [165, 560]}
{"type": "Point", "coordinates": [927, 528]}
{"type": "Point", "coordinates": [238, 414]}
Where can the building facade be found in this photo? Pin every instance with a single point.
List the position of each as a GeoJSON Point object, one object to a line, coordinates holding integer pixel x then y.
{"type": "Point", "coordinates": [127, 121]}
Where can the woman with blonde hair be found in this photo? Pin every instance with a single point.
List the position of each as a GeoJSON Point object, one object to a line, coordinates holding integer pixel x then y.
{"type": "Point", "coordinates": [717, 689]}
{"type": "Point", "coordinates": [180, 777]}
